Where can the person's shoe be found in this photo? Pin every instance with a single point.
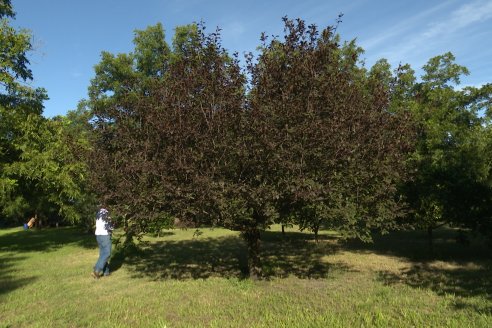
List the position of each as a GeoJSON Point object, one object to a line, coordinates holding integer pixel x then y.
{"type": "Point", "coordinates": [95, 275]}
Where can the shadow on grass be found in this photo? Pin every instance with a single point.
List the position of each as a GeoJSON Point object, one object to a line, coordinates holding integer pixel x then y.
{"type": "Point", "coordinates": [451, 268]}
{"type": "Point", "coordinates": [414, 246]}
{"type": "Point", "coordinates": [297, 254]}
{"type": "Point", "coordinates": [446, 268]}
{"type": "Point", "coordinates": [463, 282]}
{"type": "Point", "coordinates": [8, 281]}
{"type": "Point", "coordinates": [225, 257]}
{"type": "Point", "coordinates": [14, 244]}
{"type": "Point", "coordinates": [45, 240]}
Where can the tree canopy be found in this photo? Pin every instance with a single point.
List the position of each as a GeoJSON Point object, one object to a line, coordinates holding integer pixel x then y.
{"type": "Point", "coordinates": [310, 131]}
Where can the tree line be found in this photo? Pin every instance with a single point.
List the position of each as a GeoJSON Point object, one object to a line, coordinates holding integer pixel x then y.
{"type": "Point", "coordinates": [301, 133]}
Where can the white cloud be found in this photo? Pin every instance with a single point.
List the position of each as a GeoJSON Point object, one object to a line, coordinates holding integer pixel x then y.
{"type": "Point", "coordinates": [461, 18]}
{"type": "Point", "coordinates": [433, 34]}
{"type": "Point", "coordinates": [403, 27]}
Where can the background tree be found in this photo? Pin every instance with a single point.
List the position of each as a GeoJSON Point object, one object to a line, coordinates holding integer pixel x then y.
{"type": "Point", "coordinates": [39, 172]}
{"type": "Point", "coordinates": [73, 145]}
{"type": "Point", "coordinates": [452, 164]}
{"type": "Point", "coordinates": [19, 104]}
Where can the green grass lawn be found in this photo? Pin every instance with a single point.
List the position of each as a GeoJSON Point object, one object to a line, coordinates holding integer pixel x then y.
{"type": "Point", "coordinates": [182, 280]}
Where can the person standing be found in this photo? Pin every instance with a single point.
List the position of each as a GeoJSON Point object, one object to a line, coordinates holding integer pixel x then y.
{"type": "Point", "coordinates": [104, 228]}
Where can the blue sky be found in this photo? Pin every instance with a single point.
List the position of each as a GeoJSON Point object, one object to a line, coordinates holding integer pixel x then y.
{"type": "Point", "coordinates": [69, 35]}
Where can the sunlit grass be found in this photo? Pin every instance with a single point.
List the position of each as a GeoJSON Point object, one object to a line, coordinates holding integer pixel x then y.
{"type": "Point", "coordinates": [185, 279]}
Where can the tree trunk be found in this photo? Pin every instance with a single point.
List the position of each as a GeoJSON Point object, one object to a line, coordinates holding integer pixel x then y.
{"type": "Point", "coordinates": [283, 230]}
{"type": "Point", "coordinates": [128, 243]}
{"type": "Point", "coordinates": [252, 238]}
{"type": "Point", "coordinates": [128, 239]}
{"type": "Point", "coordinates": [316, 230]}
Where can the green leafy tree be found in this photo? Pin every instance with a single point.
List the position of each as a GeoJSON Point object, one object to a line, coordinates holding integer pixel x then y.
{"type": "Point", "coordinates": [72, 146]}
{"type": "Point", "coordinates": [451, 184]}
{"type": "Point", "coordinates": [18, 104]}
{"type": "Point", "coordinates": [48, 175]}
{"type": "Point", "coordinates": [39, 171]}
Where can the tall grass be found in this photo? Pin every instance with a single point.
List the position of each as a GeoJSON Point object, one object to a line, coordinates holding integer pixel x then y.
{"type": "Point", "coordinates": [182, 279]}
